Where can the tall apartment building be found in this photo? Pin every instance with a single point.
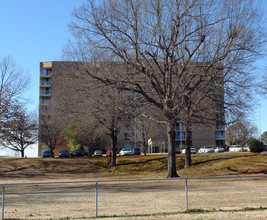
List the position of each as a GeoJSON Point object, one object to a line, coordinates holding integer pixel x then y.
{"type": "Point", "coordinates": [60, 98]}
{"type": "Point", "coordinates": [45, 97]}
{"type": "Point", "coordinates": [63, 98]}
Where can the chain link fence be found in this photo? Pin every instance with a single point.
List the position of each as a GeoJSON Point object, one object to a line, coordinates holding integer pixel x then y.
{"type": "Point", "coordinates": [81, 199]}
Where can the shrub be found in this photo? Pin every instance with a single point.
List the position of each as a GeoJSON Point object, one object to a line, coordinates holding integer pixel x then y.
{"type": "Point", "coordinates": [256, 146]}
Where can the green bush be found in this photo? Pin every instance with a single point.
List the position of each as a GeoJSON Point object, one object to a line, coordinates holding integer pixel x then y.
{"type": "Point", "coordinates": [256, 146]}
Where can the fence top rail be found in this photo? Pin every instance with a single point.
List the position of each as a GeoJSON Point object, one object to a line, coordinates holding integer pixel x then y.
{"type": "Point", "coordinates": [137, 180]}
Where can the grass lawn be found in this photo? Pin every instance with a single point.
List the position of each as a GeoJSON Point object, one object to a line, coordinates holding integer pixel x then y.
{"type": "Point", "coordinates": [150, 166]}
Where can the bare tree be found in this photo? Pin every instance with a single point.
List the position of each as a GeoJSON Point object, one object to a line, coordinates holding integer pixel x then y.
{"type": "Point", "coordinates": [171, 53]}
{"type": "Point", "coordinates": [109, 108]}
{"type": "Point", "coordinates": [49, 133]}
{"type": "Point", "coordinates": [240, 133]}
{"type": "Point", "coordinates": [13, 82]}
{"type": "Point", "coordinates": [18, 130]}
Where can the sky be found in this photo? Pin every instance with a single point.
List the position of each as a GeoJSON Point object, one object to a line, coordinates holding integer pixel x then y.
{"type": "Point", "coordinates": [34, 31]}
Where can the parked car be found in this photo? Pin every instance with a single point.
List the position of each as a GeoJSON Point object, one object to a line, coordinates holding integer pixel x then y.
{"type": "Point", "coordinates": [206, 149]}
{"type": "Point", "coordinates": [219, 149]}
{"type": "Point", "coordinates": [177, 150]}
{"type": "Point", "coordinates": [109, 153]}
{"type": "Point", "coordinates": [78, 153]}
{"type": "Point", "coordinates": [47, 153]}
{"type": "Point", "coordinates": [126, 151]}
{"type": "Point", "coordinates": [63, 153]}
{"type": "Point", "coordinates": [193, 150]}
{"type": "Point", "coordinates": [98, 153]}
{"type": "Point", "coordinates": [136, 151]}
{"type": "Point", "coordinates": [235, 148]}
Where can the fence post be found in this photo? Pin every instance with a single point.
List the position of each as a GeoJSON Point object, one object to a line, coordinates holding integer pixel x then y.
{"type": "Point", "coordinates": [96, 197]}
{"type": "Point", "coordinates": [186, 193]}
{"type": "Point", "coordinates": [3, 201]}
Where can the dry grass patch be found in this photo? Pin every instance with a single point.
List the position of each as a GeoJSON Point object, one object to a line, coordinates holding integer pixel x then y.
{"type": "Point", "coordinates": [150, 166]}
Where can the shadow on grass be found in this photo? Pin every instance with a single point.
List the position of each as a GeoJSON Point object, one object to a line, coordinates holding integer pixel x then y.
{"type": "Point", "coordinates": [220, 159]}
{"type": "Point", "coordinates": [237, 172]}
{"type": "Point", "coordinates": [125, 163]}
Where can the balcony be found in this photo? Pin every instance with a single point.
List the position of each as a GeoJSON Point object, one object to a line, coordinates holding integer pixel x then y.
{"type": "Point", "coordinates": [46, 82]}
{"type": "Point", "coordinates": [219, 128]}
{"type": "Point", "coordinates": [44, 110]}
{"type": "Point", "coordinates": [46, 72]}
{"type": "Point", "coordinates": [179, 127]}
{"type": "Point", "coordinates": [45, 101]}
{"type": "Point", "coordinates": [219, 135]}
{"type": "Point", "coordinates": [46, 91]}
{"type": "Point", "coordinates": [45, 94]}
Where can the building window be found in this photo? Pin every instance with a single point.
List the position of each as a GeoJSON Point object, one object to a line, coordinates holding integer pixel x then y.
{"type": "Point", "coordinates": [45, 100]}
{"type": "Point", "coordinates": [179, 127]}
{"type": "Point", "coordinates": [219, 118]}
{"type": "Point", "coordinates": [46, 72]}
{"type": "Point", "coordinates": [180, 133]}
{"type": "Point", "coordinates": [219, 143]}
{"type": "Point", "coordinates": [44, 110]}
{"type": "Point", "coordinates": [46, 82]}
{"type": "Point", "coordinates": [219, 135]}
{"type": "Point", "coordinates": [46, 91]}
{"type": "Point", "coordinates": [179, 136]}
{"type": "Point", "coordinates": [126, 137]}
{"type": "Point", "coordinates": [219, 126]}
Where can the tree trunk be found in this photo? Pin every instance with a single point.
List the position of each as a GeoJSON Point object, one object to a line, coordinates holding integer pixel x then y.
{"type": "Point", "coordinates": [145, 147]}
{"type": "Point", "coordinates": [187, 146]}
{"type": "Point", "coordinates": [114, 146]}
{"type": "Point", "coordinates": [52, 152]}
{"type": "Point", "coordinates": [171, 150]}
{"type": "Point", "coordinates": [22, 153]}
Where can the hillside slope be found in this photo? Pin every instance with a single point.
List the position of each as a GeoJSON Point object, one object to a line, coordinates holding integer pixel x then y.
{"type": "Point", "coordinates": [151, 166]}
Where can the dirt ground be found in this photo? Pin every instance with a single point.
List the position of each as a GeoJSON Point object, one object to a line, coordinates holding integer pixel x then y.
{"type": "Point", "coordinates": [77, 200]}
{"type": "Point", "coordinates": [237, 215]}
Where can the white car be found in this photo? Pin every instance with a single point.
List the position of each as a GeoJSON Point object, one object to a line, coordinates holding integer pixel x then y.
{"type": "Point", "coordinates": [193, 150]}
{"type": "Point", "coordinates": [98, 153]}
{"type": "Point", "coordinates": [219, 149]}
{"type": "Point", "coordinates": [206, 149]}
{"type": "Point", "coordinates": [235, 148]}
{"type": "Point", "coordinates": [126, 151]}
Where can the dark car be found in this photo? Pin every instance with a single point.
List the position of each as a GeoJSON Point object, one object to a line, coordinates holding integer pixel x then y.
{"type": "Point", "coordinates": [63, 153]}
{"type": "Point", "coordinates": [47, 153]}
{"type": "Point", "coordinates": [177, 150]}
{"type": "Point", "coordinates": [136, 151]}
{"type": "Point", "coordinates": [78, 153]}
